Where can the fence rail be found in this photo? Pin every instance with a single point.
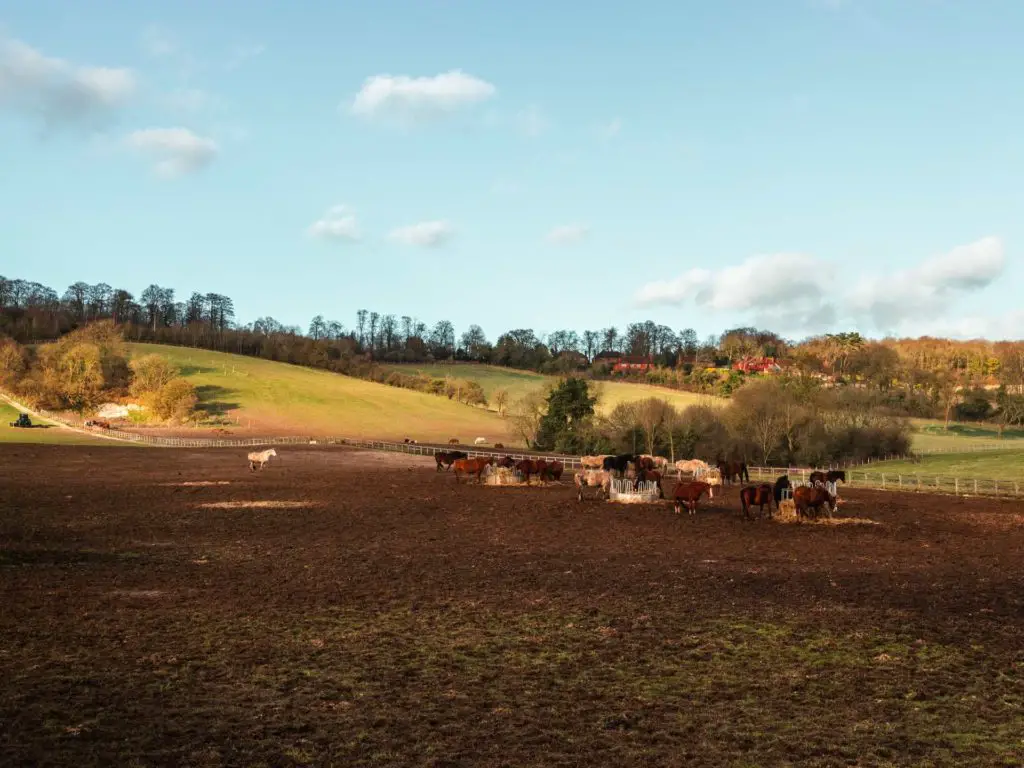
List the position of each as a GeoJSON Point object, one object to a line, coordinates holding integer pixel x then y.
{"type": "Point", "coordinates": [855, 478]}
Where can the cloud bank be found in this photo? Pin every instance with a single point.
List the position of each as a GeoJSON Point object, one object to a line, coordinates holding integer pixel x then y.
{"type": "Point", "coordinates": [794, 292]}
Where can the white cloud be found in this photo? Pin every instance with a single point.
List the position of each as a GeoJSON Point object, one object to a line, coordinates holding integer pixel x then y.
{"type": "Point", "coordinates": [175, 151]}
{"type": "Point", "coordinates": [338, 224]}
{"type": "Point", "coordinates": [428, 234]}
{"type": "Point", "coordinates": [612, 129]}
{"type": "Point", "coordinates": [416, 97]}
{"type": "Point", "coordinates": [568, 234]}
{"type": "Point", "coordinates": [531, 122]}
{"type": "Point", "coordinates": [792, 291]}
{"type": "Point", "coordinates": [57, 90]}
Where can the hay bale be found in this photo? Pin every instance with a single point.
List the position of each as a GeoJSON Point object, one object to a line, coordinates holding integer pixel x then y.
{"type": "Point", "coordinates": [502, 476]}
{"type": "Point", "coordinates": [787, 511]}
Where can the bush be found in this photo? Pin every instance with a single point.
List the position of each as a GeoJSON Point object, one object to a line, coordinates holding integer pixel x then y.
{"type": "Point", "coordinates": [175, 400]}
{"type": "Point", "coordinates": [13, 362]}
{"type": "Point", "coordinates": [151, 374]}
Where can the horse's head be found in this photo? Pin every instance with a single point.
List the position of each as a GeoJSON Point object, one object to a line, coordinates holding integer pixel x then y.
{"type": "Point", "coordinates": [271, 452]}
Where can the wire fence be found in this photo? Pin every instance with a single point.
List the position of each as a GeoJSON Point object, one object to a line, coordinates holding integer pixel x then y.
{"type": "Point", "coordinates": [855, 478]}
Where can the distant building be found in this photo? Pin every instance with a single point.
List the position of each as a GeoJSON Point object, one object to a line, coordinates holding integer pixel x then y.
{"type": "Point", "coordinates": [757, 365]}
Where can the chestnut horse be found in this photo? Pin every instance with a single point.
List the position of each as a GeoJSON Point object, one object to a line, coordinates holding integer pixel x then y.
{"type": "Point", "coordinates": [731, 469]}
{"type": "Point", "coordinates": [757, 494]}
{"type": "Point", "coordinates": [689, 494]}
{"type": "Point", "coordinates": [471, 467]}
{"type": "Point", "coordinates": [832, 476]}
{"type": "Point", "coordinates": [807, 499]}
{"type": "Point", "coordinates": [649, 476]}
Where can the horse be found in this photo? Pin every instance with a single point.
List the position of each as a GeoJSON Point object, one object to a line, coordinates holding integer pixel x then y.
{"type": "Point", "coordinates": [618, 463]}
{"type": "Point", "coordinates": [453, 441]}
{"type": "Point", "coordinates": [649, 476]}
{"type": "Point", "coordinates": [448, 459]}
{"type": "Point", "coordinates": [472, 467]}
{"type": "Point", "coordinates": [507, 461]}
{"type": "Point", "coordinates": [499, 446]}
{"type": "Point", "coordinates": [695, 467]}
{"type": "Point", "coordinates": [644, 463]}
{"type": "Point", "coordinates": [731, 469]}
{"type": "Point", "coordinates": [832, 476]}
{"type": "Point", "coordinates": [528, 467]}
{"type": "Point", "coordinates": [592, 478]}
{"type": "Point", "coordinates": [260, 458]}
{"type": "Point", "coordinates": [660, 462]}
{"type": "Point", "coordinates": [689, 494]}
{"type": "Point", "coordinates": [554, 471]}
{"type": "Point", "coordinates": [812, 498]}
{"type": "Point", "coordinates": [780, 484]}
{"type": "Point", "coordinates": [757, 494]}
{"type": "Point", "coordinates": [593, 462]}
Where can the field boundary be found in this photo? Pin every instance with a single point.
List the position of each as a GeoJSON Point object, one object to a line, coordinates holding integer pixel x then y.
{"type": "Point", "coordinates": [883, 481]}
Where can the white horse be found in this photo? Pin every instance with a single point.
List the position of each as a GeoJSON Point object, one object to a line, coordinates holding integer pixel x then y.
{"type": "Point", "coordinates": [260, 458]}
{"type": "Point", "coordinates": [480, 441]}
{"type": "Point", "coordinates": [592, 478]}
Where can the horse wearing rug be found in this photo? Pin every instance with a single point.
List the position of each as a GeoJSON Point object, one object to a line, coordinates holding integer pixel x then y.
{"type": "Point", "coordinates": [689, 494]}
{"type": "Point", "coordinates": [258, 459]}
{"type": "Point", "coordinates": [592, 478]}
{"type": "Point", "coordinates": [757, 494]}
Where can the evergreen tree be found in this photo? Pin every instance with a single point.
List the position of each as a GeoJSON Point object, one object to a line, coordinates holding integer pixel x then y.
{"type": "Point", "coordinates": [569, 406]}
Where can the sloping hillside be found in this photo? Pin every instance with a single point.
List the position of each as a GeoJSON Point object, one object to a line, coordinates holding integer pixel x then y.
{"type": "Point", "coordinates": [518, 383]}
{"type": "Point", "coordinates": [260, 397]}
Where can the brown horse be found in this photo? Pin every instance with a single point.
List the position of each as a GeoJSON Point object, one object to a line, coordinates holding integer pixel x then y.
{"type": "Point", "coordinates": [471, 467]}
{"type": "Point", "coordinates": [757, 494]}
{"type": "Point", "coordinates": [689, 494]}
{"type": "Point", "coordinates": [507, 461]}
{"type": "Point", "coordinates": [554, 471]}
{"type": "Point", "coordinates": [529, 467]}
{"type": "Point", "coordinates": [453, 441]}
{"type": "Point", "coordinates": [643, 464]}
{"type": "Point", "coordinates": [731, 469]}
{"type": "Point", "coordinates": [832, 476]}
{"type": "Point", "coordinates": [649, 476]}
{"type": "Point", "coordinates": [499, 446]}
{"type": "Point", "coordinates": [807, 499]}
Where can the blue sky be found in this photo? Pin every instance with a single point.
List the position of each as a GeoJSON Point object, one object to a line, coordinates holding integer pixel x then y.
{"type": "Point", "coordinates": [806, 165]}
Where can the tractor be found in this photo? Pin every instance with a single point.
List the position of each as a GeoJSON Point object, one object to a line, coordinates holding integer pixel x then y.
{"type": "Point", "coordinates": [23, 421]}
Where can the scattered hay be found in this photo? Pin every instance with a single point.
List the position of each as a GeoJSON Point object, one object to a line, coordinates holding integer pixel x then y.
{"type": "Point", "coordinates": [787, 514]}
{"type": "Point", "coordinates": [259, 504]}
{"type": "Point", "coordinates": [149, 593]}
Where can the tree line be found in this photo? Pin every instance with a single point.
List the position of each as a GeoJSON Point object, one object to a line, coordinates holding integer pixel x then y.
{"type": "Point", "coordinates": [925, 377]}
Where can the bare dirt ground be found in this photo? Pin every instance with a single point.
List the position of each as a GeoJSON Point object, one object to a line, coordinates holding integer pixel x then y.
{"type": "Point", "coordinates": [167, 607]}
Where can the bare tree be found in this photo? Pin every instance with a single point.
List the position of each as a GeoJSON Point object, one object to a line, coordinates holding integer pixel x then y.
{"type": "Point", "coordinates": [501, 401]}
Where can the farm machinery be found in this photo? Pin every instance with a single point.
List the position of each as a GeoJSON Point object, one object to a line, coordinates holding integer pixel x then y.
{"type": "Point", "coordinates": [23, 421]}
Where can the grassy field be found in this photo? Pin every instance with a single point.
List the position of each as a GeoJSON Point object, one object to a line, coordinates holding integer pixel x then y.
{"type": "Point", "coordinates": [932, 435]}
{"type": "Point", "coordinates": [992, 465]}
{"type": "Point", "coordinates": [47, 434]}
{"type": "Point", "coordinates": [519, 383]}
{"type": "Point", "coordinates": [260, 397]}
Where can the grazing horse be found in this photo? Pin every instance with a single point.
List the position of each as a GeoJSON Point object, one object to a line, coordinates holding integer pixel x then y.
{"type": "Point", "coordinates": [528, 467]}
{"type": "Point", "coordinates": [780, 484]}
{"type": "Point", "coordinates": [472, 467]}
{"type": "Point", "coordinates": [832, 476]}
{"type": "Point", "coordinates": [689, 494]}
{"type": "Point", "coordinates": [499, 446]}
{"type": "Point", "coordinates": [258, 458]}
{"type": "Point", "coordinates": [649, 476]}
{"type": "Point", "coordinates": [618, 463]}
{"type": "Point", "coordinates": [731, 469]}
{"type": "Point", "coordinates": [553, 471]}
{"type": "Point", "coordinates": [757, 494]}
{"type": "Point", "coordinates": [508, 462]}
{"type": "Point", "coordinates": [592, 478]}
{"type": "Point", "coordinates": [807, 499]}
{"type": "Point", "coordinates": [453, 441]}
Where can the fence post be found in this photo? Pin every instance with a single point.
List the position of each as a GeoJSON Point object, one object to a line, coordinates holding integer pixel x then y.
{"type": "Point", "coordinates": [956, 485]}
{"type": "Point", "coordinates": [975, 486]}
{"type": "Point", "coordinates": [883, 481]}
{"type": "Point", "coordinates": [900, 480]}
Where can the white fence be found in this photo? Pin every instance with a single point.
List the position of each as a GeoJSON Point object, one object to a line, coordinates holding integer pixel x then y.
{"type": "Point", "coordinates": [628, 489]}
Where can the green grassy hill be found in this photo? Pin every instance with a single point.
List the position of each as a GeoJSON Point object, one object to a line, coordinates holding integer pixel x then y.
{"type": "Point", "coordinates": [518, 383]}
{"type": "Point", "coordinates": [46, 433]}
{"type": "Point", "coordinates": [1002, 465]}
{"type": "Point", "coordinates": [931, 435]}
{"type": "Point", "coordinates": [258, 397]}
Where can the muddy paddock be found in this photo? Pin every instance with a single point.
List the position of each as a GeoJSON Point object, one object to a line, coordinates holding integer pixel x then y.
{"type": "Point", "coordinates": [168, 607]}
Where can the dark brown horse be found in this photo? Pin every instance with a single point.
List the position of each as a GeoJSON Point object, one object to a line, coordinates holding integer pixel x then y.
{"type": "Point", "coordinates": [506, 461]}
{"type": "Point", "coordinates": [689, 494]}
{"type": "Point", "coordinates": [807, 499]}
{"type": "Point", "coordinates": [471, 467]}
{"type": "Point", "coordinates": [643, 464]}
{"type": "Point", "coordinates": [553, 471]}
{"type": "Point", "coordinates": [757, 494]}
{"type": "Point", "coordinates": [649, 476]}
{"type": "Point", "coordinates": [499, 446]}
{"type": "Point", "coordinates": [731, 469]}
{"type": "Point", "coordinates": [447, 458]}
{"type": "Point", "coordinates": [832, 476]}
{"type": "Point", "coordinates": [529, 467]}
{"type": "Point", "coordinates": [780, 484]}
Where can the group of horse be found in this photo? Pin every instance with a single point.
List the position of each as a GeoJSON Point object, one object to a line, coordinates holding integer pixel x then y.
{"type": "Point", "coordinates": [461, 464]}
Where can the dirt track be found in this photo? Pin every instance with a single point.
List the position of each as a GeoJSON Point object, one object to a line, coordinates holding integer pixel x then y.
{"type": "Point", "coordinates": [341, 608]}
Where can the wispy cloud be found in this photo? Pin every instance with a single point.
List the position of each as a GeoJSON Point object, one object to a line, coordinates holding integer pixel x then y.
{"type": "Point", "coordinates": [174, 152]}
{"type": "Point", "coordinates": [338, 224]}
{"type": "Point", "coordinates": [58, 91]}
{"type": "Point", "coordinates": [568, 234]}
{"type": "Point", "coordinates": [426, 234]}
{"type": "Point", "coordinates": [414, 98]}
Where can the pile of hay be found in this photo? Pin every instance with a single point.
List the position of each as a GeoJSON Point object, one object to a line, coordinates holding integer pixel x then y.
{"type": "Point", "coordinates": [787, 514]}
{"type": "Point", "coordinates": [502, 476]}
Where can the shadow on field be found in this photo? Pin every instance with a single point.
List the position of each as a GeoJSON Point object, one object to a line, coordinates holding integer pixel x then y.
{"type": "Point", "coordinates": [191, 370]}
{"type": "Point", "coordinates": [212, 402]}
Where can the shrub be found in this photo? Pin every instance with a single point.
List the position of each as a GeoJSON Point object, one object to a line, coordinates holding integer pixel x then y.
{"type": "Point", "coordinates": [151, 374]}
{"type": "Point", "coordinates": [175, 400]}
